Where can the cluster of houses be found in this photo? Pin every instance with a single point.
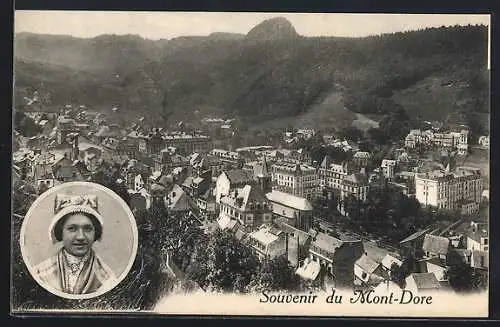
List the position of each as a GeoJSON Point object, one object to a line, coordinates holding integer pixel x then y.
{"type": "Point", "coordinates": [458, 140]}
{"type": "Point", "coordinates": [261, 194]}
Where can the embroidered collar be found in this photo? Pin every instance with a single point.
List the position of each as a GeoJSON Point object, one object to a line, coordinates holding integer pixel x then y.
{"type": "Point", "coordinates": [75, 263]}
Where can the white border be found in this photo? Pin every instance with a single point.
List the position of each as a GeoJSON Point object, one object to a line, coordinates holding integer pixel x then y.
{"type": "Point", "coordinates": [105, 288]}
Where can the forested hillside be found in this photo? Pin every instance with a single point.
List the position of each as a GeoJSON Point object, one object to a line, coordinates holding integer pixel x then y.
{"type": "Point", "coordinates": [269, 75]}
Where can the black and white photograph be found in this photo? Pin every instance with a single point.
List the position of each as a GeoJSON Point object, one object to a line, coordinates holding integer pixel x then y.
{"type": "Point", "coordinates": [251, 163]}
{"type": "Point", "coordinates": [77, 244]}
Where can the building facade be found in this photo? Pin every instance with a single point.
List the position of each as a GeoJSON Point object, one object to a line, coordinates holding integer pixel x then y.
{"type": "Point", "coordinates": [295, 178]}
{"type": "Point", "coordinates": [450, 191]}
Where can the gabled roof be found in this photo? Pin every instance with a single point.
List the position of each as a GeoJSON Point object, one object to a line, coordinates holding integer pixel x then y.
{"type": "Point", "coordinates": [327, 242]}
{"type": "Point", "coordinates": [436, 244]}
{"type": "Point", "coordinates": [414, 236]}
{"type": "Point", "coordinates": [437, 262]}
{"type": "Point", "coordinates": [178, 199]}
{"type": "Point", "coordinates": [389, 260]}
{"type": "Point", "coordinates": [367, 264]}
{"type": "Point", "coordinates": [238, 176]}
{"type": "Point", "coordinates": [309, 269]}
{"type": "Point", "coordinates": [289, 200]}
{"type": "Point", "coordinates": [247, 194]}
{"type": "Point", "coordinates": [478, 234]}
{"type": "Point", "coordinates": [425, 281]}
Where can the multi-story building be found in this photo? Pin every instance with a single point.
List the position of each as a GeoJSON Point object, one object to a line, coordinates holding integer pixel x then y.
{"type": "Point", "coordinates": [292, 210]}
{"type": "Point", "coordinates": [388, 168]}
{"type": "Point", "coordinates": [228, 157]}
{"type": "Point", "coordinates": [229, 180]}
{"type": "Point", "coordinates": [131, 143]}
{"type": "Point", "coordinates": [64, 127]}
{"type": "Point", "coordinates": [247, 205]}
{"type": "Point", "coordinates": [355, 184]}
{"type": "Point", "coordinates": [450, 190]}
{"type": "Point", "coordinates": [337, 257]}
{"type": "Point", "coordinates": [269, 242]}
{"type": "Point", "coordinates": [152, 143]}
{"type": "Point", "coordinates": [477, 237]}
{"type": "Point", "coordinates": [188, 143]}
{"type": "Point", "coordinates": [295, 178]}
{"type": "Point", "coordinates": [452, 139]}
{"type": "Point", "coordinates": [362, 158]}
{"type": "Point", "coordinates": [331, 174]}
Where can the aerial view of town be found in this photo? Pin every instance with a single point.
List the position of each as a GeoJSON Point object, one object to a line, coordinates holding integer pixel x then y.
{"type": "Point", "coordinates": [265, 161]}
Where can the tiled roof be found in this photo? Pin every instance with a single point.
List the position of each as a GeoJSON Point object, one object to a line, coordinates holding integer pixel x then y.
{"type": "Point", "coordinates": [264, 235]}
{"type": "Point", "coordinates": [414, 236]}
{"type": "Point", "coordinates": [425, 281]}
{"type": "Point", "coordinates": [289, 200]}
{"type": "Point", "coordinates": [437, 261]}
{"type": "Point", "coordinates": [327, 242]}
{"type": "Point", "coordinates": [309, 269]}
{"type": "Point", "coordinates": [367, 264]}
{"type": "Point", "coordinates": [247, 194]}
{"type": "Point", "coordinates": [436, 244]}
{"type": "Point", "coordinates": [238, 176]}
{"type": "Point", "coordinates": [478, 234]}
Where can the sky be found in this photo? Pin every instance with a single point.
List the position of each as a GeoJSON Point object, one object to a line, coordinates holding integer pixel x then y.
{"type": "Point", "coordinates": [166, 25]}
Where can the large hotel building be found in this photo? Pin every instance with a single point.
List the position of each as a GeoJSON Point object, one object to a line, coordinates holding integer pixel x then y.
{"type": "Point", "coordinates": [459, 190]}
{"type": "Point", "coordinates": [295, 178]}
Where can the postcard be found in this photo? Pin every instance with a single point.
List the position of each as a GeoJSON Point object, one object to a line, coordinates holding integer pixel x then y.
{"type": "Point", "coordinates": [239, 163]}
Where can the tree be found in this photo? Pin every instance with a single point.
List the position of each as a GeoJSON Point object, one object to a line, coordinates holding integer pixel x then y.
{"type": "Point", "coordinates": [224, 264]}
{"type": "Point", "coordinates": [460, 277]}
{"type": "Point", "coordinates": [276, 275]}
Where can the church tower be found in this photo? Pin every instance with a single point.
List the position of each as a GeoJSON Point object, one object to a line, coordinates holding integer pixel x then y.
{"type": "Point", "coordinates": [264, 177]}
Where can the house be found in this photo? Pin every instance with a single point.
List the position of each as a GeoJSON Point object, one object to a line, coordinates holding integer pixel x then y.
{"type": "Point", "coordinates": [63, 170]}
{"type": "Point", "coordinates": [268, 241]}
{"type": "Point", "coordinates": [422, 282]}
{"type": "Point", "coordinates": [477, 237]}
{"type": "Point", "coordinates": [248, 205]}
{"type": "Point", "coordinates": [177, 200]}
{"type": "Point", "coordinates": [295, 178]}
{"type": "Point", "coordinates": [309, 269]}
{"type": "Point", "coordinates": [479, 259]}
{"type": "Point", "coordinates": [362, 158]}
{"type": "Point", "coordinates": [369, 272]}
{"type": "Point", "coordinates": [412, 245]}
{"type": "Point", "coordinates": [44, 176]}
{"type": "Point", "coordinates": [139, 200]}
{"type": "Point", "coordinates": [388, 261]}
{"type": "Point", "coordinates": [336, 257]}
{"type": "Point", "coordinates": [206, 202]}
{"type": "Point", "coordinates": [436, 246]}
{"type": "Point", "coordinates": [388, 168]}
{"type": "Point", "coordinates": [138, 183]}
{"type": "Point", "coordinates": [297, 239]}
{"type": "Point", "coordinates": [230, 179]}
{"type": "Point", "coordinates": [437, 266]}
{"type": "Point", "coordinates": [293, 210]}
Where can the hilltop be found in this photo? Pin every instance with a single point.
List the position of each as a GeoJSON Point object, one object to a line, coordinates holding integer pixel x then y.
{"type": "Point", "coordinates": [272, 74]}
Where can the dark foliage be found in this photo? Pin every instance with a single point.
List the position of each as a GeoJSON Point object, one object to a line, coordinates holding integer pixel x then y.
{"type": "Point", "coordinates": [253, 77]}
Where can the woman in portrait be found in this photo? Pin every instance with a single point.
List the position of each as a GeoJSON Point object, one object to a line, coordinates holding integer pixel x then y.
{"type": "Point", "coordinates": [75, 268]}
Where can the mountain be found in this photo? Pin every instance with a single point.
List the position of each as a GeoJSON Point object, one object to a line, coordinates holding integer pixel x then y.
{"type": "Point", "coordinates": [270, 76]}
{"type": "Point", "coordinates": [278, 28]}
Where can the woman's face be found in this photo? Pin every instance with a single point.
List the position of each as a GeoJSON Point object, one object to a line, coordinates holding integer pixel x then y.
{"type": "Point", "coordinates": [78, 235]}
